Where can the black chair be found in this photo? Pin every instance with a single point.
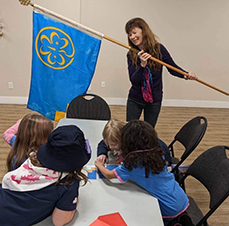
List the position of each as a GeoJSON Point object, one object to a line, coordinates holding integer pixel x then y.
{"type": "Point", "coordinates": [88, 106]}
{"type": "Point", "coordinates": [189, 136]}
{"type": "Point", "coordinates": [211, 169]}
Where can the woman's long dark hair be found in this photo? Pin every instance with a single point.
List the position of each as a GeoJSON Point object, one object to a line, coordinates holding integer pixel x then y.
{"type": "Point", "coordinates": [149, 42]}
{"type": "Point", "coordinates": [140, 135]}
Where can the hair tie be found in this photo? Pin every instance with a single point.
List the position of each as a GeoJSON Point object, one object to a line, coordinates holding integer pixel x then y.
{"type": "Point", "coordinates": [138, 151]}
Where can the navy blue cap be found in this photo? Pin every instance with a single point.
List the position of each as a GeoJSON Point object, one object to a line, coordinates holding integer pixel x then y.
{"type": "Point", "coordinates": [65, 150]}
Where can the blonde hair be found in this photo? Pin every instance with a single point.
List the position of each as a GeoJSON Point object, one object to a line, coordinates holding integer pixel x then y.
{"type": "Point", "coordinates": [112, 130]}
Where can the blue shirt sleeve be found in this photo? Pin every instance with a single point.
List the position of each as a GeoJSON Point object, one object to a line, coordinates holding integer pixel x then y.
{"type": "Point", "coordinates": [12, 141]}
{"type": "Point", "coordinates": [122, 173]}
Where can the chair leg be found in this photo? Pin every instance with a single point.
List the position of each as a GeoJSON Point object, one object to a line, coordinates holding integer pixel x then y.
{"type": "Point", "coordinates": [182, 184]}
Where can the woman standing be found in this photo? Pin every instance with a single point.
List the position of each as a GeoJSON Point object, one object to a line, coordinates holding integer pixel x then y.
{"type": "Point", "coordinates": [146, 75]}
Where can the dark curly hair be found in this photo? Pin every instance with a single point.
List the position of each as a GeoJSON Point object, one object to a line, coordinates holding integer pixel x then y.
{"type": "Point", "coordinates": [140, 135]}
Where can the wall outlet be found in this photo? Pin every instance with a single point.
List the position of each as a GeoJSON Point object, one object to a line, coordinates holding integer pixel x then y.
{"type": "Point", "coordinates": [10, 85]}
{"type": "Point", "coordinates": [103, 84]}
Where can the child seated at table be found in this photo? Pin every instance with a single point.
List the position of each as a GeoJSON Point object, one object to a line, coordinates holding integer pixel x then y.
{"type": "Point", "coordinates": [30, 131]}
{"type": "Point", "coordinates": [144, 164]}
{"type": "Point", "coordinates": [111, 143]}
{"type": "Point", "coordinates": [47, 182]}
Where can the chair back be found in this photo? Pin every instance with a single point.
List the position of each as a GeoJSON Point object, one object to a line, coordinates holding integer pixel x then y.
{"type": "Point", "coordinates": [211, 169]}
{"type": "Point", "coordinates": [88, 106]}
{"type": "Point", "coordinates": [189, 136]}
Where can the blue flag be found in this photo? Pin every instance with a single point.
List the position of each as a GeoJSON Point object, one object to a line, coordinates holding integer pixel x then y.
{"type": "Point", "coordinates": [63, 64]}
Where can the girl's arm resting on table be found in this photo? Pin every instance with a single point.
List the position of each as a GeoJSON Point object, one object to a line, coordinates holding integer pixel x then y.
{"type": "Point", "coordinates": [61, 217]}
{"type": "Point", "coordinates": [12, 131]}
{"type": "Point", "coordinates": [109, 174]}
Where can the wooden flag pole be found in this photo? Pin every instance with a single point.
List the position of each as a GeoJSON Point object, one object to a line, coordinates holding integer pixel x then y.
{"type": "Point", "coordinates": [28, 2]}
{"type": "Point", "coordinates": [167, 65]}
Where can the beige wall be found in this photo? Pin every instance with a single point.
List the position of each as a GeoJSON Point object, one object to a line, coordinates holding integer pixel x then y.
{"type": "Point", "coordinates": [195, 33]}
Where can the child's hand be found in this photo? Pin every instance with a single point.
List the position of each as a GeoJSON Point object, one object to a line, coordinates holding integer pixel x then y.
{"type": "Point", "coordinates": [109, 174]}
{"type": "Point", "coordinates": [98, 163]}
{"type": "Point", "coordinates": [102, 158]}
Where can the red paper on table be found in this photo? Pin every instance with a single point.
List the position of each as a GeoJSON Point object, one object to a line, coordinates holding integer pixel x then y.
{"type": "Point", "coordinates": [113, 219]}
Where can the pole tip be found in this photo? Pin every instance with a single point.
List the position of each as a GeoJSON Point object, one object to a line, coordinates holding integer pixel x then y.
{"type": "Point", "coordinates": [26, 2]}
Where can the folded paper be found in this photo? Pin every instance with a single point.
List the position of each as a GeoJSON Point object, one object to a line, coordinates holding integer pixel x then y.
{"type": "Point", "coordinates": [113, 219]}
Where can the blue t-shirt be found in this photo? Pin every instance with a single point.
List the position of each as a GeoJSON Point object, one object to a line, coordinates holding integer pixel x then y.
{"type": "Point", "coordinates": [171, 197]}
{"type": "Point", "coordinates": [28, 208]}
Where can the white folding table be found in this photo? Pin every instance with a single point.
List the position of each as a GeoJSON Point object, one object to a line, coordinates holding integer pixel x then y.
{"type": "Point", "coordinates": [102, 196]}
